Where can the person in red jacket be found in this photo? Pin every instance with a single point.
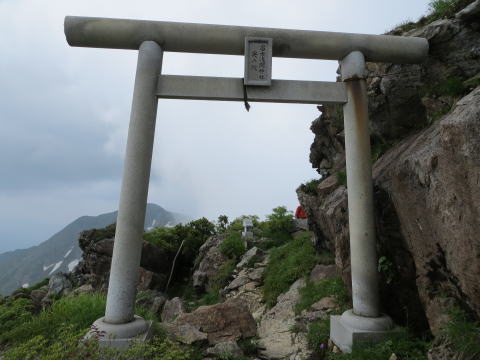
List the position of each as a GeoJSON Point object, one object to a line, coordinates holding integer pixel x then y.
{"type": "Point", "coordinates": [300, 213]}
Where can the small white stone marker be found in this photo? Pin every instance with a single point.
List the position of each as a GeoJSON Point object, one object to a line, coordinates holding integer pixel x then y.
{"type": "Point", "coordinates": [247, 228]}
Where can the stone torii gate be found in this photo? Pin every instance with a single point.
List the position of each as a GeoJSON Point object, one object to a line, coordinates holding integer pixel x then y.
{"type": "Point", "coordinates": [151, 39]}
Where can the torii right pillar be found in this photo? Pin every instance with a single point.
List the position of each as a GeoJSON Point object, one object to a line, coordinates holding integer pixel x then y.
{"type": "Point", "coordinates": [364, 322]}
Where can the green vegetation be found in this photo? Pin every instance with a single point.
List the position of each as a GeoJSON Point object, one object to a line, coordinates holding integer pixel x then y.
{"type": "Point", "coordinates": [318, 333]}
{"type": "Point", "coordinates": [386, 268]}
{"type": "Point", "coordinates": [55, 333]}
{"type": "Point", "coordinates": [249, 346]}
{"type": "Point", "coordinates": [253, 260]}
{"type": "Point", "coordinates": [222, 224]}
{"type": "Point", "coordinates": [438, 9]}
{"type": "Point", "coordinates": [341, 177]}
{"type": "Point", "coordinates": [472, 82]}
{"type": "Point", "coordinates": [233, 246]}
{"type": "Point", "coordinates": [406, 25]}
{"type": "Point", "coordinates": [452, 86]}
{"type": "Point", "coordinates": [12, 315]}
{"type": "Point", "coordinates": [193, 234]}
{"type": "Point", "coordinates": [80, 312]}
{"type": "Point", "coordinates": [278, 227]}
{"type": "Point", "coordinates": [29, 289]}
{"type": "Point", "coordinates": [314, 291]}
{"type": "Point", "coordinates": [441, 9]}
{"type": "Point", "coordinates": [287, 264]}
{"type": "Point", "coordinates": [402, 345]}
{"type": "Point", "coordinates": [213, 296]}
{"type": "Point", "coordinates": [310, 187]}
{"type": "Point", "coordinates": [463, 334]}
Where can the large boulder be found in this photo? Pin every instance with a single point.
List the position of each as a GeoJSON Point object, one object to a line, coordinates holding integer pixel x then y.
{"type": "Point", "coordinates": [228, 321]}
{"type": "Point", "coordinates": [172, 309]}
{"type": "Point", "coordinates": [427, 220]}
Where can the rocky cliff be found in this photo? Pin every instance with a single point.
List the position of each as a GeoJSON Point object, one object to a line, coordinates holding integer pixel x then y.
{"type": "Point", "coordinates": [426, 152]}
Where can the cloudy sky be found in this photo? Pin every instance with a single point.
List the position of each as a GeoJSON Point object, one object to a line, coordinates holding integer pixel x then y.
{"type": "Point", "coordinates": [64, 113]}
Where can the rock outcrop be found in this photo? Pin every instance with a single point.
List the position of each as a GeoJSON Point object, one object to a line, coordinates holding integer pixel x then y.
{"type": "Point", "coordinates": [207, 263]}
{"type": "Point", "coordinates": [277, 338]}
{"type": "Point", "coordinates": [424, 122]}
{"type": "Point", "coordinates": [94, 268]}
{"type": "Point", "coordinates": [405, 98]}
{"type": "Point", "coordinates": [427, 219]}
{"type": "Point", "coordinates": [227, 321]}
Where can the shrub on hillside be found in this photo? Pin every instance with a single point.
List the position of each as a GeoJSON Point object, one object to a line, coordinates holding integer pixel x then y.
{"type": "Point", "coordinates": [193, 235]}
{"type": "Point", "coordinates": [233, 246]}
{"type": "Point", "coordinates": [278, 227]}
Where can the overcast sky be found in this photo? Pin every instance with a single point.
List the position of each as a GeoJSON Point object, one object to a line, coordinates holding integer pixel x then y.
{"type": "Point", "coordinates": [64, 113]}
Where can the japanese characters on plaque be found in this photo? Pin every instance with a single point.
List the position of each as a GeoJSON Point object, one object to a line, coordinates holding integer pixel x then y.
{"type": "Point", "coordinates": [258, 61]}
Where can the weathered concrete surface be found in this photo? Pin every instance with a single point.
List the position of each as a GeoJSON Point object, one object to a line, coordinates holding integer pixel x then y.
{"type": "Point", "coordinates": [230, 40]}
{"type": "Point", "coordinates": [427, 219]}
{"type": "Point", "coordinates": [127, 249]}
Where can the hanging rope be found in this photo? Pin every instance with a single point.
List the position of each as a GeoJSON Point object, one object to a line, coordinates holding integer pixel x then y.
{"type": "Point", "coordinates": [245, 96]}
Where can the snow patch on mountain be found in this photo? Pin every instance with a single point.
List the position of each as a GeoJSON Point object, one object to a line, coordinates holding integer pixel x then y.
{"type": "Point", "coordinates": [45, 268]}
{"type": "Point", "coordinates": [68, 252]}
{"type": "Point", "coordinates": [71, 265]}
{"type": "Point", "coordinates": [57, 265]}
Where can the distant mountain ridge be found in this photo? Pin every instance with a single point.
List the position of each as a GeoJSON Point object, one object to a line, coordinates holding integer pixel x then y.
{"type": "Point", "coordinates": [61, 253]}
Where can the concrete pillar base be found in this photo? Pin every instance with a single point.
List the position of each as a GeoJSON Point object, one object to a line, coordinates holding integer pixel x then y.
{"type": "Point", "coordinates": [120, 336]}
{"type": "Point", "coordinates": [349, 329]}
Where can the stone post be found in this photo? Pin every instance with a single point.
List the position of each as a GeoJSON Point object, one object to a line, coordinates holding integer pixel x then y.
{"type": "Point", "coordinates": [365, 320]}
{"type": "Point", "coordinates": [119, 320]}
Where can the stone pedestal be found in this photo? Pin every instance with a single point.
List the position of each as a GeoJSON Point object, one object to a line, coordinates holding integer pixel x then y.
{"type": "Point", "coordinates": [349, 329]}
{"type": "Point", "coordinates": [120, 336]}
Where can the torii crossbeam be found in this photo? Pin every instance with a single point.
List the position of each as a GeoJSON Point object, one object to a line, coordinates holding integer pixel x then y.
{"type": "Point", "coordinates": [151, 39]}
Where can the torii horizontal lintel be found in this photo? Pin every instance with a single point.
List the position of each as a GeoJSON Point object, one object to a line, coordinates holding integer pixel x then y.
{"type": "Point", "coordinates": [231, 89]}
{"type": "Point", "coordinates": [230, 40]}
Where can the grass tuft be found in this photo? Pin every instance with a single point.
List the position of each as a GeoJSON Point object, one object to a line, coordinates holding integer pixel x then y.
{"type": "Point", "coordinates": [287, 264]}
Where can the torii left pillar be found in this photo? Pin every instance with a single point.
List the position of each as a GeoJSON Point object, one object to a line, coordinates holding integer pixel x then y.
{"type": "Point", "coordinates": [120, 325]}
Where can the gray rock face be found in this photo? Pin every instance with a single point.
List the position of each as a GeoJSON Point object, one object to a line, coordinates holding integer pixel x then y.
{"type": "Point", "coordinates": [274, 331]}
{"type": "Point", "coordinates": [427, 205]}
{"type": "Point", "coordinates": [246, 286]}
{"type": "Point", "coordinates": [402, 98]}
{"type": "Point", "coordinates": [228, 321]}
{"type": "Point", "coordinates": [185, 333]}
{"type": "Point", "coordinates": [249, 255]}
{"type": "Point", "coordinates": [470, 13]}
{"type": "Point", "coordinates": [152, 300]}
{"type": "Point", "coordinates": [225, 349]}
{"type": "Point", "coordinates": [320, 272]}
{"type": "Point", "coordinates": [208, 262]}
{"type": "Point", "coordinates": [59, 284]}
{"type": "Point", "coordinates": [94, 268]}
{"type": "Point", "coordinates": [172, 308]}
